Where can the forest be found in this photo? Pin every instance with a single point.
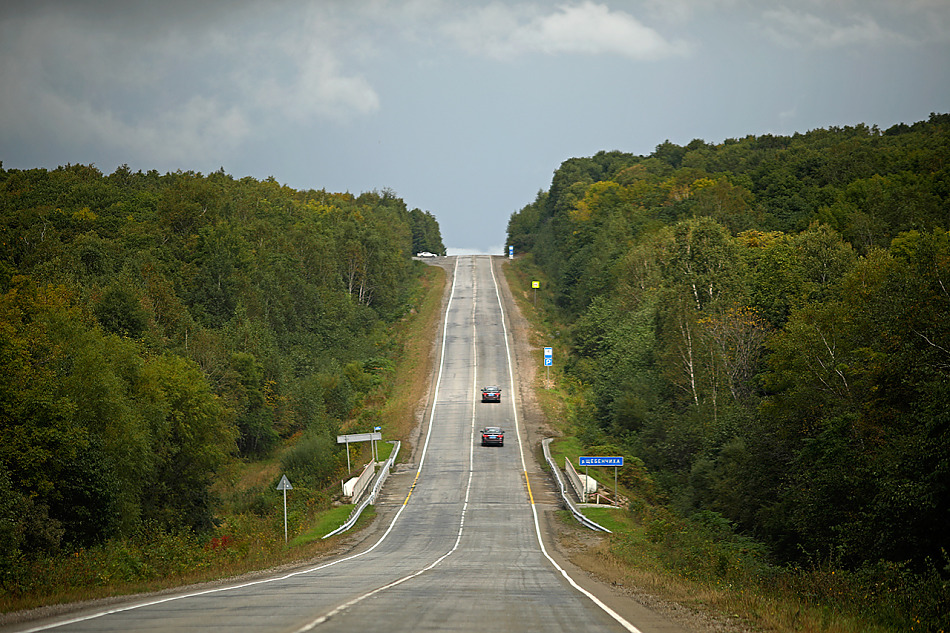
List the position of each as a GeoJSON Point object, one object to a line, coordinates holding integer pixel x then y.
{"type": "Point", "coordinates": [153, 327]}
{"type": "Point", "coordinates": [765, 323]}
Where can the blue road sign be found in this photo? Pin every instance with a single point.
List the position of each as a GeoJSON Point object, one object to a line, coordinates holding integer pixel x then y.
{"type": "Point", "coordinates": [601, 461]}
{"type": "Point", "coordinates": [548, 361]}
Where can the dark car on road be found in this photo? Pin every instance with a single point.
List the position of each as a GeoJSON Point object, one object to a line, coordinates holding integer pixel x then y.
{"type": "Point", "coordinates": [491, 394]}
{"type": "Point", "coordinates": [492, 435]}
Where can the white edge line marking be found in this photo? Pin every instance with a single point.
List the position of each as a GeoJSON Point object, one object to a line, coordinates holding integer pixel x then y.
{"type": "Point", "coordinates": [534, 510]}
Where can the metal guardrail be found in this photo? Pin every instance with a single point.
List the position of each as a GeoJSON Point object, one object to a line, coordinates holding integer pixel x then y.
{"type": "Point", "coordinates": [564, 495]}
{"type": "Point", "coordinates": [377, 486]}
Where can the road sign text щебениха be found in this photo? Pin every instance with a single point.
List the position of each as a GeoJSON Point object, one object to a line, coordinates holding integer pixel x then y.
{"type": "Point", "coordinates": [601, 461]}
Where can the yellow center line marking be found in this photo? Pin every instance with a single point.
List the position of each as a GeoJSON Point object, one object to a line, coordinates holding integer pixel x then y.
{"type": "Point", "coordinates": [411, 488]}
{"type": "Point", "coordinates": [528, 483]}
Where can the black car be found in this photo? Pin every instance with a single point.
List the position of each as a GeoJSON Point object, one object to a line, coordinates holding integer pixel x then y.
{"type": "Point", "coordinates": [493, 435]}
{"type": "Point", "coordinates": [491, 394]}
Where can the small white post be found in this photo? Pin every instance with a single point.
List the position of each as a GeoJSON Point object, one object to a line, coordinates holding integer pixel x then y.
{"type": "Point", "coordinates": [616, 489]}
{"type": "Point", "coordinates": [586, 479]}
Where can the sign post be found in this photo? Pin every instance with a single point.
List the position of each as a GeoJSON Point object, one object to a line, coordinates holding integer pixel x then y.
{"type": "Point", "coordinates": [535, 285]}
{"type": "Point", "coordinates": [285, 486]}
{"type": "Point", "coordinates": [548, 361]}
{"type": "Point", "coordinates": [511, 252]}
{"type": "Point", "coordinates": [356, 437]}
{"type": "Point", "coordinates": [616, 462]}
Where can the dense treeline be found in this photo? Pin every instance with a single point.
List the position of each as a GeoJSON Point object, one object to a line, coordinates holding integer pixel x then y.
{"type": "Point", "coordinates": [766, 324]}
{"type": "Point", "coordinates": [153, 326]}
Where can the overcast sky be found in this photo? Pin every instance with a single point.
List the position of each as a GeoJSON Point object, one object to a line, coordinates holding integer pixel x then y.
{"type": "Point", "coordinates": [463, 108]}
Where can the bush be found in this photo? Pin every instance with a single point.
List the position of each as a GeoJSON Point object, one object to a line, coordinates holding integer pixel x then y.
{"type": "Point", "coordinates": [314, 461]}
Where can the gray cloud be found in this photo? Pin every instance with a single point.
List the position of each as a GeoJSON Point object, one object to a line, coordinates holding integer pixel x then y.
{"type": "Point", "coordinates": [801, 29]}
{"type": "Point", "coordinates": [182, 90]}
{"type": "Point", "coordinates": [502, 31]}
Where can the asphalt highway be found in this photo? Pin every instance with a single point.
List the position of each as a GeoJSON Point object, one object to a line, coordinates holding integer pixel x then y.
{"type": "Point", "coordinates": [463, 550]}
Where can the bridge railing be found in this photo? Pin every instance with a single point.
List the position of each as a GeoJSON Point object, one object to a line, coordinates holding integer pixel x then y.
{"type": "Point", "coordinates": [568, 501]}
{"type": "Point", "coordinates": [377, 486]}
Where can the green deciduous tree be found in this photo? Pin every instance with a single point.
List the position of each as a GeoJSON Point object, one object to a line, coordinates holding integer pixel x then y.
{"type": "Point", "coordinates": [704, 262]}
{"type": "Point", "coordinates": [120, 312]}
{"type": "Point", "coordinates": [193, 433]}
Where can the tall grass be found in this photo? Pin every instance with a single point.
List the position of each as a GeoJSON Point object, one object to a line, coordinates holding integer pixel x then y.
{"type": "Point", "coordinates": [733, 573]}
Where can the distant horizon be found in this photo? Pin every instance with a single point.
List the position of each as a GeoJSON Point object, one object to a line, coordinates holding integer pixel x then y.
{"type": "Point", "coordinates": [450, 251]}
